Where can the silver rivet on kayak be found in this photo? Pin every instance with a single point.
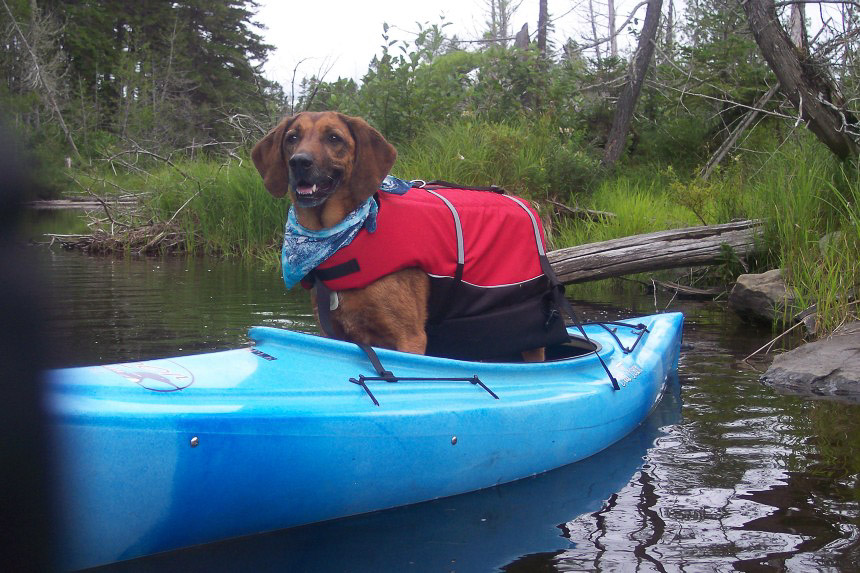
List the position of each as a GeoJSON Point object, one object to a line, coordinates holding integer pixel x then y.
{"type": "Point", "coordinates": [454, 440]}
{"type": "Point", "coordinates": [195, 441]}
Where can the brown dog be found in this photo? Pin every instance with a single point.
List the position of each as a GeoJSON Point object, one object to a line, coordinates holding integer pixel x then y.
{"type": "Point", "coordinates": [330, 164]}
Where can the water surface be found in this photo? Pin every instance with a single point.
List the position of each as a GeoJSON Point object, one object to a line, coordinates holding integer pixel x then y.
{"type": "Point", "coordinates": [726, 475]}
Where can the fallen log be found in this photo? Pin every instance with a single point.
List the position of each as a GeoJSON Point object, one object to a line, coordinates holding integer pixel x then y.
{"type": "Point", "coordinates": [75, 204]}
{"type": "Point", "coordinates": [689, 247]}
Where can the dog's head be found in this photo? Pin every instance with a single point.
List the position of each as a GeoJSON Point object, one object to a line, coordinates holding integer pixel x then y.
{"type": "Point", "coordinates": [323, 157]}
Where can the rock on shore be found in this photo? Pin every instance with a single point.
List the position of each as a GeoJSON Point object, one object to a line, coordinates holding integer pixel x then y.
{"type": "Point", "coordinates": [828, 368]}
{"type": "Point", "coordinates": [761, 297]}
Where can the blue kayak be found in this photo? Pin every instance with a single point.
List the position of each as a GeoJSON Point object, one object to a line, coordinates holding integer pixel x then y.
{"type": "Point", "coordinates": [164, 454]}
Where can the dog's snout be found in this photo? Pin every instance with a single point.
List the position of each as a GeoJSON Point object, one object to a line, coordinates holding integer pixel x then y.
{"type": "Point", "coordinates": [301, 161]}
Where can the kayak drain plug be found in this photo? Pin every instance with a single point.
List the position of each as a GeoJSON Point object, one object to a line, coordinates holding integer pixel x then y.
{"type": "Point", "coordinates": [195, 441]}
{"type": "Point", "coordinates": [454, 440]}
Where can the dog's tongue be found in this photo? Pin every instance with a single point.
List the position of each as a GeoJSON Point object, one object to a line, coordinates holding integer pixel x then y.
{"type": "Point", "coordinates": [305, 189]}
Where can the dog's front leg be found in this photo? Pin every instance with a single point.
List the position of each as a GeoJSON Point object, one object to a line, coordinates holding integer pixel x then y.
{"type": "Point", "coordinates": [415, 342]}
{"type": "Point", "coordinates": [391, 312]}
{"type": "Point", "coordinates": [534, 355]}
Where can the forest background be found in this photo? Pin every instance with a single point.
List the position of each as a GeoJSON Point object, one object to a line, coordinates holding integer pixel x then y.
{"type": "Point", "coordinates": [716, 110]}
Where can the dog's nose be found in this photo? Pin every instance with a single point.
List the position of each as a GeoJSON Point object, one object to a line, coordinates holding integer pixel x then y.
{"type": "Point", "coordinates": [301, 161]}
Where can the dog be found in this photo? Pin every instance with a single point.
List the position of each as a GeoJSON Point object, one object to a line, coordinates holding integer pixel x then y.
{"type": "Point", "coordinates": [331, 164]}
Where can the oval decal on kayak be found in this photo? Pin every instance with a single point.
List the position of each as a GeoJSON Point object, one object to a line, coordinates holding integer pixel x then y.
{"type": "Point", "coordinates": [156, 378]}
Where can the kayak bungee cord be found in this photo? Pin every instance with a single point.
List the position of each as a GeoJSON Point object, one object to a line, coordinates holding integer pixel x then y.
{"type": "Point", "coordinates": [362, 381]}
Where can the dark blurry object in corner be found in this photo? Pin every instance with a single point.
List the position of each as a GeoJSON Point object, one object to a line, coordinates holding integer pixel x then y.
{"type": "Point", "coordinates": [25, 500]}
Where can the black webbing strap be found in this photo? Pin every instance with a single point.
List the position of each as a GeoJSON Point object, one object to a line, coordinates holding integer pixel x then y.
{"type": "Point", "coordinates": [625, 349]}
{"type": "Point", "coordinates": [323, 304]}
{"type": "Point", "coordinates": [558, 288]}
{"type": "Point", "coordinates": [384, 374]}
{"type": "Point", "coordinates": [564, 304]}
{"type": "Point", "coordinates": [337, 271]}
{"type": "Point", "coordinates": [449, 185]}
{"type": "Point", "coordinates": [324, 312]}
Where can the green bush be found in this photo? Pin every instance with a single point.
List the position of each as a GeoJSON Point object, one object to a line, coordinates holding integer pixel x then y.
{"type": "Point", "coordinates": [534, 159]}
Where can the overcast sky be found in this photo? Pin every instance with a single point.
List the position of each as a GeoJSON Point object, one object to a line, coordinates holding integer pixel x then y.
{"type": "Point", "coordinates": [347, 34]}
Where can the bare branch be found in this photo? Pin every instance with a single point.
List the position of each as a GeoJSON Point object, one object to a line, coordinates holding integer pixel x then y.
{"type": "Point", "coordinates": [617, 32]}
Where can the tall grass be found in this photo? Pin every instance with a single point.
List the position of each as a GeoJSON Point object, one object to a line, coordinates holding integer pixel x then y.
{"type": "Point", "coordinates": [529, 158]}
{"type": "Point", "coordinates": [810, 203]}
{"type": "Point", "coordinates": [215, 208]}
{"type": "Point", "coordinates": [637, 206]}
{"type": "Point", "coordinates": [223, 209]}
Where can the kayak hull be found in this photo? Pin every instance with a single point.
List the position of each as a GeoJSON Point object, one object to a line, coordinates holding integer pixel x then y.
{"type": "Point", "coordinates": [163, 454]}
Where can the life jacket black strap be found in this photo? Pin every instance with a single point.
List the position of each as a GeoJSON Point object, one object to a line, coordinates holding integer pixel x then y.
{"type": "Point", "coordinates": [337, 271]}
{"type": "Point", "coordinates": [448, 185]}
{"type": "Point", "coordinates": [567, 308]}
{"type": "Point", "coordinates": [323, 303]}
{"type": "Point", "coordinates": [324, 312]}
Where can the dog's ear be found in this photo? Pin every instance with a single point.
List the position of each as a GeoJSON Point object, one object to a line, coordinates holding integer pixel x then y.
{"type": "Point", "coordinates": [269, 161]}
{"type": "Point", "coordinates": [374, 156]}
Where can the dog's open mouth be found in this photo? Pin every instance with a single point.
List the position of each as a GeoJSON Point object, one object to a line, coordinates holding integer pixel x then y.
{"type": "Point", "coordinates": [315, 192]}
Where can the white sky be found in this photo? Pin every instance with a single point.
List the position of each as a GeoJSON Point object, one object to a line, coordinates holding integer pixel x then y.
{"type": "Point", "coordinates": [346, 34]}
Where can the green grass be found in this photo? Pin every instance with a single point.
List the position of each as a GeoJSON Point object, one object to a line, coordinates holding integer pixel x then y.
{"type": "Point", "coordinates": [532, 159]}
{"type": "Point", "coordinates": [216, 208]}
{"type": "Point", "coordinates": [639, 207]}
{"type": "Point", "coordinates": [228, 210]}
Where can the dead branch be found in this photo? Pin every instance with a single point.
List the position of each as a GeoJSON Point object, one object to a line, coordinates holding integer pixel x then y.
{"type": "Point", "coordinates": [730, 141]}
{"type": "Point", "coordinates": [562, 210]}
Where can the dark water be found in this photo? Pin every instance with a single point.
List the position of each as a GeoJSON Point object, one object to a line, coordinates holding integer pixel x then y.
{"type": "Point", "coordinates": [726, 475]}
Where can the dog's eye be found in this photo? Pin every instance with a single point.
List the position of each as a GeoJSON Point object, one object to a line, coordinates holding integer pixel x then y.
{"type": "Point", "coordinates": [334, 138]}
{"type": "Point", "coordinates": [291, 138]}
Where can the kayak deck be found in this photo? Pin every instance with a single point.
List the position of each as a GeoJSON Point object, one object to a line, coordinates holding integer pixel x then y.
{"type": "Point", "coordinates": [167, 453]}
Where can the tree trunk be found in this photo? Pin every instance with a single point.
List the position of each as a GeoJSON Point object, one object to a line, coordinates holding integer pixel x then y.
{"type": "Point", "coordinates": [670, 29]}
{"type": "Point", "coordinates": [803, 81]}
{"type": "Point", "coordinates": [613, 37]}
{"type": "Point", "coordinates": [594, 37]}
{"type": "Point", "coordinates": [693, 246]}
{"type": "Point", "coordinates": [521, 40]}
{"type": "Point", "coordinates": [635, 78]}
{"type": "Point", "coordinates": [797, 27]}
{"type": "Point", "coordinates": [543, 21]}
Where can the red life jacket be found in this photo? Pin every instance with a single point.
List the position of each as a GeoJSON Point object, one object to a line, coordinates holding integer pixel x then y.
{"type": "Point", "coordinates": [418, 229]}
{"type": "Point", "coordinates": [482, 251]}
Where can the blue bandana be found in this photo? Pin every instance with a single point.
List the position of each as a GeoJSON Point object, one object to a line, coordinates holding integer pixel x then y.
{"type": "Point", "coordinates": [392, 184]}
{"type": "Point", "coordinates": [304, 249]}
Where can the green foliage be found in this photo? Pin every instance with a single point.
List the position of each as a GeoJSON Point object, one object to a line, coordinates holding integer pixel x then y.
{"type": "Point", "coordinates": [534, 159]}
{"type": "Point", "coordinates": [806, 198]}
{"type": "Point", "coordinates": [221, 209]}
{"type": "Point", "coordinates": [640, 204]}
{"type": "Point", "coordinates": [712, 201]}
{"type": "Point", "coordinates": [679, 142]}
{"type": "Point", "coordinates": [810, 204]}
{"type": "Point", "coordinates": [164, 74]}
{"type": "Point", "coordinates": [414, 85]}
